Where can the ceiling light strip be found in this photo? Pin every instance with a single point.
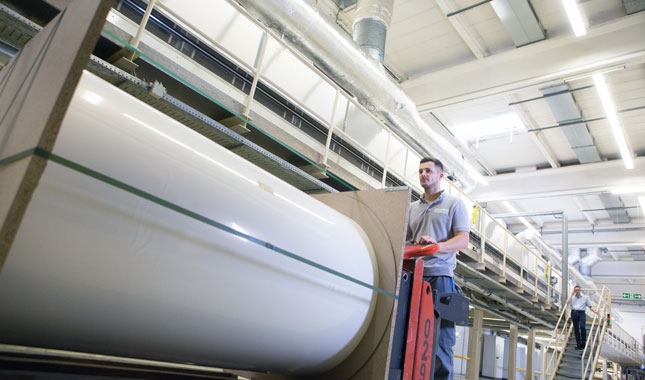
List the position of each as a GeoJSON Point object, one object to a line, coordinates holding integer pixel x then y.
{"type": "Point", "coordinates": [612, 117]}
{"type": "Point", "coordinates": [575, 18]}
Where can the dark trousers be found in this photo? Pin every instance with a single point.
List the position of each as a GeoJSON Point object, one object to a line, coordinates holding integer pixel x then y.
{"type": "Point", "coordinates": [447, 335]}
{"type": "Point", "coordinates": [579, 319]}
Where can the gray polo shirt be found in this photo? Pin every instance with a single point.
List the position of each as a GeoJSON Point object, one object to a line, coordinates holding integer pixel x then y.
{"type": "Point", "coordinates": [440, 219]}
{"type": "Point", "coordinates": [580, 302]}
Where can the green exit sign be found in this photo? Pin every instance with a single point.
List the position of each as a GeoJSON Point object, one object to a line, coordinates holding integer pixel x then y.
{"type": "Point", "coordinates": [638, 296]}
{"type": "Point", "coordinates": [627, 295]}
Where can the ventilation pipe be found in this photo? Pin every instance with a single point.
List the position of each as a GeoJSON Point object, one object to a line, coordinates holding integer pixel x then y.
{"type": "Point", "coordinates": [574, 256]}
{"type": "Point", "coordinates": [303, 29]}
{"type": "Point", "coordinates": [371, 20]}
{"type": "Point", "coordinates": [593, 256]}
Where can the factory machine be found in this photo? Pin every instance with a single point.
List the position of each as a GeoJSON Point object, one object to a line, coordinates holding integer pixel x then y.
{"type": "Point", "coordinates": [142, 245]}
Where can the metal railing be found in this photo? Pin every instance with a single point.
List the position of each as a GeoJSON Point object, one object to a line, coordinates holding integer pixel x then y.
{"type": "Point", "coordinates": [562, 333]}
{"type": "Point", "coordinates": [530, 261]}
{"type": "Point", "coordinates": [596, 336]}
{"type": "Point", "coordinates": [558, 342]}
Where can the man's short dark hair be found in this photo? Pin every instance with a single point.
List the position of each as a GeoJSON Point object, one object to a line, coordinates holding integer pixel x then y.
{"type": "Point", "coordinates": [436, 162]}
{"type": "Point", "coordinates": [577, 286]}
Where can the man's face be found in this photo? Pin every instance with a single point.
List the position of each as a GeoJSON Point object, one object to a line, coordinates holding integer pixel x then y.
{"type": "Point", "coordinates": [429, 175]}
{"type": "Point", "coordinates": [576, 290]}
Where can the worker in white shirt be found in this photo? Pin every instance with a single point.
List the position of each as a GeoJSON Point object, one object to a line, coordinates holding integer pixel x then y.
{"type": "Point", "coordinates": [579, 304]}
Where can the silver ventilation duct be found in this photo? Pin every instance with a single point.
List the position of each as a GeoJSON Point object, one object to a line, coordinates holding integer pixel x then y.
{"type": "Point", "coordinates": [574, 256]}
{"type": "Point", "coordinates": [520, 21]}
{"type": "Point", "coordinates": [371, 20]}
{"type": "Point", "coordinates": [593, 256]}
{"type": "Point", "coordinates": [339, 58]}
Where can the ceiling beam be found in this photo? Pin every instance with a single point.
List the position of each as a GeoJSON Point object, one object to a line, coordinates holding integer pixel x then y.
{"type": "Point", "coordinates": [582, 207]}
{"type": "Point", "coordinates": [564, 181]}
{"type": "Point", "coordinates": [611, 43]}
{"type": "Point", "coordinates": [468, 34]}
{"type": "Point", "coordinates": [598, 239]}
{"type": "Point", "coordinates": [536, 136]}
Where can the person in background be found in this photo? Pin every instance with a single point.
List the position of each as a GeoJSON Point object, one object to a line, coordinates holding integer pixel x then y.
{"type": "Point", "coordinates": [579, 304]}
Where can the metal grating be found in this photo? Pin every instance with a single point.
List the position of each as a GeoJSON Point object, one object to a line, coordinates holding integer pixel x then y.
{"type": "Point", "coordinates": [15, 29]}
{"type": "Point", "coordinates": [275, 168]}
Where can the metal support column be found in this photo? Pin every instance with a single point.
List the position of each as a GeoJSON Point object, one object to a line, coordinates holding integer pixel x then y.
{"type": "Point", "coordinates": [564, 291]}
{"type": "Point", "coordinates": [604, 370]}
{"type": "Point", "coordinates": [544, 351]}
{"type": "Point", "coordinates": [512, 352]}
{"type": "Point", "coordinates": [330, 132]}
{"type": "Point", "coordinates": [142, 26]}
{"type": "Point", "coordinates": [530, 351]}
{"type": "Point", "coordinates": [386, 159]}
{"type": "Point", "coordinates": [264, 41]}
{"type": "Point", "coordinates": [475, 339]}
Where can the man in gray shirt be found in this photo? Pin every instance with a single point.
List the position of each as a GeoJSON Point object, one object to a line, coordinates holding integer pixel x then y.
{"type": "Point", "coordinates": [439, 218]}
{"type": "Point", "coordinates": [579, 304]}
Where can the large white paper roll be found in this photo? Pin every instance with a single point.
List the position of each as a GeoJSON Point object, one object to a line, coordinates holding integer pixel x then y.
{"type": "Point", "coordinates": [96, 269]}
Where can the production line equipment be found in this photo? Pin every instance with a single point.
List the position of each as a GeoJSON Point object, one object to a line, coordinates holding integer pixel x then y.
{"type": "Point", "coordinates": [144, 240]}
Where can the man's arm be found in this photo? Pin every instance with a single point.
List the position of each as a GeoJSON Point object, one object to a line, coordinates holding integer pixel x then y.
{"type": "Point", "coordinates": [455, 243]}
{"type": "Point", "coordinates": [591, 307]}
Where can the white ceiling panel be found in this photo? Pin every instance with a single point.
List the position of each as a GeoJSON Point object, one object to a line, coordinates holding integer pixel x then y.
{"type": "Point", "coordinates": [503, 155]}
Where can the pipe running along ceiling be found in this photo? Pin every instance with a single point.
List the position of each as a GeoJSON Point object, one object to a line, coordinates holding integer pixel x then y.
{"type": "Point", "coordinates": [338, 57]}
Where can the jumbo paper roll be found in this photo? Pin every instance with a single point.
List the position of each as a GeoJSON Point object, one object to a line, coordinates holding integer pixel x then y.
{"type": "Point", "coordinates": [94, 268]}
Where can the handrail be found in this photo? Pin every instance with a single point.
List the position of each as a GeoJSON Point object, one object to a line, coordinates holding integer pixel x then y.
{"type": "Point", "coordinates": [528, 254]}
{"type": "Point", "coordinates": [596, 336]}
{"type": "Point", "coordinates": [562, 328]}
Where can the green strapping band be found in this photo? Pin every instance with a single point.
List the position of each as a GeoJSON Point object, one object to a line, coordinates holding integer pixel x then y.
{"type": "Point", "coordinates": [202, 93]}
{"type": "Point", "coordinates": [169, 205]}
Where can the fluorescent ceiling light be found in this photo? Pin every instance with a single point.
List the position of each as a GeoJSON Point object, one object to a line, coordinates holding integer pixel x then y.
{"type": "Point", "coordinates": [502, 124]}
{"type": "Point", "coordinates": [641, 200]}
{"type": "Point", "coordinates": [575, 18]}
{"type": "Point", "coordinates": [612, 117]}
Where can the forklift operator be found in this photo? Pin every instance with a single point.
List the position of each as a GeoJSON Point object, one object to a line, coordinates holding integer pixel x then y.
{"type": "Point", "coordinates": [439, 218]}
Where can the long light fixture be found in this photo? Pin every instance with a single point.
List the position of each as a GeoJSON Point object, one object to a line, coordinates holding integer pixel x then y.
{"type": "Point", "coordinates": [575, 18]}
{"type": "Point", "coordinates": [610, 112]}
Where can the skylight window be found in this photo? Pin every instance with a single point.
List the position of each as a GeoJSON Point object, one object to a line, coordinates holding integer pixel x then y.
{"type": "Point", "coordinates": [507, 124]}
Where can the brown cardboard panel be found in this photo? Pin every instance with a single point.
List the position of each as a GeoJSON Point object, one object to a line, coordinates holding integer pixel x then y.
{"type": "Point", "coordinates": [382, 215]}
{"type": "Point", "coordinates": [35, 90]}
